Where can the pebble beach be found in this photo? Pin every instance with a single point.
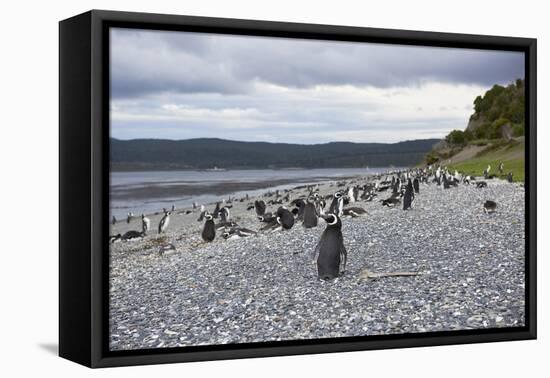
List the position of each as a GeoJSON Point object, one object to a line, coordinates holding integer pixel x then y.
{"type": "Point", "coordinates": [470, 273]}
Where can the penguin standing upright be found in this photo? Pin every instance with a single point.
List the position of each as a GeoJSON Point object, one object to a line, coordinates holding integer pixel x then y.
{"type": "Point", "coordinates": [145, 224]}
{"type": "Point", "coordinates": [446, 184]}
{"type": "Point", "coordinates": [416, 185]}
{"type": "Point", "coordinates": [301, 206]}
{"type": "Point", "coordinates": [334, 203]}
{"type": "Point", "coordinates": [225, 214]}
{"type": "Point", "coordinates": [320, 205]}
{"type": "Point", "coordinates": [203, 213]}
{"type": "Point", "coordinates": [330, 253]}
{"type": "Point", "coordinates": [337, 204]}
{"type": "Point", "coordinates": [259, 206]}
{"type": "Point", "coordinates": [163, 224]}
{"type": "Point", "coordinates": [209, 230]}
{"type": "Point", "coordinates": [356, 193]}
{"type": "Point", "coordinates": [486, 172]}
{"type": "Point", "coordinates": [395, 186]}
{"type": "Point", "coordinates": [129, 217]}
{"type": "Point", "coordinates": [310, 215]}
{"type": "Point", "coordinates": [438, 176]}
{"type": "Point", "coordinates": [113, 221]}
{"type": "Point", "coordinates": [351, 194]}
{"type": "Point", "coordinates": [408, 196]}
{"type": "Point", "coordinates": [216, 210]}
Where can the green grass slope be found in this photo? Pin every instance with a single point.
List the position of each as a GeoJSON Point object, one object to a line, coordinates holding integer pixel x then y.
{"type": "Point", "coordinates": [512, 154]}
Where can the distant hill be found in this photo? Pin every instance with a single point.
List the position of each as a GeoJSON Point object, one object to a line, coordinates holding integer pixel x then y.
{"type": "Point", "coordinates": [500, 113]}
{"type": "Point", "coordinates": [494, 134]}
{"type": "Point", "coordinates": [206, 153]}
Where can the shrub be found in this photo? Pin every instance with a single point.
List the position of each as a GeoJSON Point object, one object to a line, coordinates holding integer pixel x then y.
{"type": "Point", "coordinates": [432, 158]}
{"type": "Point", "coordinates": [468, 135]}
{"type": "Point", "coordinates": [495, 131]}
{"type": "Point", "coordinates": [481, 132]}
{"type": "Point", "coordinates": [518, 129]}
{"type": "Point", "coordinates": [456, 137]}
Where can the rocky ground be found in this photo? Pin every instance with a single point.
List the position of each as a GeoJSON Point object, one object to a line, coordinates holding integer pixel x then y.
{"type": "Point", "coordinates": [265, 288]}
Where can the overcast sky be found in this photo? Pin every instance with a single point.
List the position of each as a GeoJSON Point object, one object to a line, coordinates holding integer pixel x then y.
{"type": "Point", "coordinates": [179, 85]}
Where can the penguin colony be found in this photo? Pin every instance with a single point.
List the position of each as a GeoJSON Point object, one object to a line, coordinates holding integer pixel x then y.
{"type": "Point", "coordinates": [281, 212]}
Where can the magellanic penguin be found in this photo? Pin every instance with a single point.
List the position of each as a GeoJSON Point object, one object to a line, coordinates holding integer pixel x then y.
{"type": "Point", "coordinates": [209, 229]}
{"type": "Point", "coordinates": [129, 217]}
{"type": "Point", "coordinates": [259, 206]}
{"type": "Point", "coordinates": [225, 214]}
{"type": "Point", "coordinates": [486, 171]}
{"type": "Point", "coordinates": [285, 218]}
{"type": "Point", "coordinates": [510, 177]}
{"type": "Point", "coordinates": [271, 223]}
{"type": "Point", "coordinates": [301, 206]}
{"type": "Point", "coordinates": [481, 184]}
{"type": "Point", "coordinates": [354, 212]}
{"type": "Point", "coordinates": [237, 233]}
{"type": "Point", "coordinates": [446, 183]}
{"type": "Point", "coordinates": [145, 224]}
{"type": "Point", "coordinates": [392, 201]}
{"type": "Point", "coordinates": [203, 213]}
{"type": "Point", "coordinates": [416, 185]}
{"type": "Point", "coordinates": [310, 215]}
{"type": "Point", "coordinates": [351, 194]}
{"type": "Point", "coordinates": [167, 248]}
{"type": "Point", "coordinates": [330, 253]}
{"type": "Point", "coordinates": [163, 224]}
{"type": "Point", "coordinates": [113, 221]}
{"type": "Point", "coordinates": [337, 204]}
{"type": "Point", "coordinates": [395, 186]}
{"type": "Point", "coordinates": [489, 207]}
{"type": "Point", "coordinates": [114, 238]}
{"type": "Point", "coordinates": [320, 205]}
{"type": "Point", "coordinates": [409, 196]}
{"type": "Point", "coordinates": [216, 210]}
{"type": "Point", "coordinates": [267, 217]}
{"type": "Point", "coordinates": [131, 235]}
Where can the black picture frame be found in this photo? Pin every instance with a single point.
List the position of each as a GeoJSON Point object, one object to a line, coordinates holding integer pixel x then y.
{"type": "Point", "coordinates": [83, 181]}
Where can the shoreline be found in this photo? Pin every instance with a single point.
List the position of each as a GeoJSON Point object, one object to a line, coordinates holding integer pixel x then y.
{"type": "Point", "coordinates": [183, 169]}
{"type": "Point", "coordinates": [150, 197]}
{"type": "Point", "coordinates": [219, 188]}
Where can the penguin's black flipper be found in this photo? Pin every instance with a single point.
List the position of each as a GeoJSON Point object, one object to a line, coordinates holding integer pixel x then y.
{"type": "Point", "coordinates": [343, 255]}
{"type": "Point", "coordinates": [317, 250]}
{"type": "Point", "coordinates": [201, 217]}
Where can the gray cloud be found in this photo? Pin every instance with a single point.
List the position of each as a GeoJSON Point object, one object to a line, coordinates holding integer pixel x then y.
{"type": "Point", "coordinates": [186, 85]}
{"type": "Point", "coordinates": [148, 62]}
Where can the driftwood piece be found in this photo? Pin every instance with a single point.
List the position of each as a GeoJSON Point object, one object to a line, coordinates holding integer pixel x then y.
{"type": "Point", "coordinates": [366, 274]}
